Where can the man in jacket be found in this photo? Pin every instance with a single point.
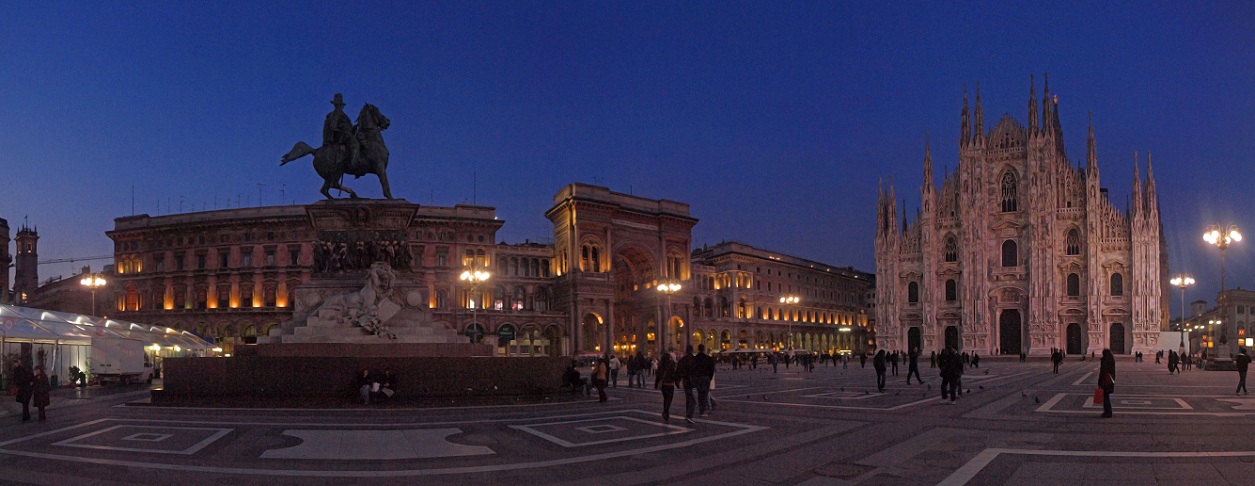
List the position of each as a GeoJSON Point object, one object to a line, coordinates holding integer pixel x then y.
{"type": "Point", "coordinates": [951, 367]}
{"type": "Point", "coordinates": [703, 372]}
{"type": "Point", "coordinates": [24, 380]}
{"type": "Point", "coordinates": [684, 372]}
{"type": "Point", "coordinates": [1244, 362]}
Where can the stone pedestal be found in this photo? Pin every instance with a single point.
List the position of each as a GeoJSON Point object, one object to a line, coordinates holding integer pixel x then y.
{"type": "Point", "coordinates": [363, 289]}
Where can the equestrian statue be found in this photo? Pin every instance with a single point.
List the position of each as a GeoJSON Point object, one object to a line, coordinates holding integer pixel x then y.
{"type": "Point", "coordinates": [348, 149]}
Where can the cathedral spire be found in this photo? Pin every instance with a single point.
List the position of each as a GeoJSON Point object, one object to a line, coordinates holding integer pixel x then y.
{"type": "Point", "coordinates": [1136, 207]}
{"type": "Point", "coordinates": [980, 116]}
{"type": "Point", "coordinates": [1047, 114]}
{"type": "Point", "coordinates": [965, 132]}
{"type": "Point", "coordinates": [1152, 202]}
{"type": "Point", "coordinates": [1091, 161]}
{"type": "Point", "coordinates": [928, 161]}
{"type": "Point", "coordinates": [1032, 104]}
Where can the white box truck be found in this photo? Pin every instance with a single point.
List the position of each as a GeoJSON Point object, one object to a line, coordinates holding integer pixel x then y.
{"type": "Point", "coordinates": [120, 359]}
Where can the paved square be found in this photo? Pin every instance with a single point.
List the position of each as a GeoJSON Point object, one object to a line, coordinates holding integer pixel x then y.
{"type": "Point", "coordinates": [603, 430]}
{"type": "Point", "coordinates": [156, 439]}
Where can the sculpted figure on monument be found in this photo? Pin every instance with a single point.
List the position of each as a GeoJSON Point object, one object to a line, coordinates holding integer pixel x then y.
{"type": "Point", "coordinates": [363, 307]}
{"type": "Point", "coordinates": [348, 149]}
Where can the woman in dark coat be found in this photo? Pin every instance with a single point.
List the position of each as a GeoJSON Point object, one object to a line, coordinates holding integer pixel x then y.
{"type": "Point", "coordinates": [665, 380]}
{"type": "Point", "coordinates": [41, 390]}
{"type": "Point", "coordinates": [1107, 380]}
{"type": "Point", "coordinates": [878, 362]}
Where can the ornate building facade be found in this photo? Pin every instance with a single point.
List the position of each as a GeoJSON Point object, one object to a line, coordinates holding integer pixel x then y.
{"type": "Point", "coordinates": [230, 275]}
{"type": "Point", "coordinates": [614, 250]}
{"type": "Point", "coordinates": [1020, 251]}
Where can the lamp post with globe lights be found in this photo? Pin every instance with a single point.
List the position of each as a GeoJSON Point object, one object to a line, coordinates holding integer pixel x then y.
{"type": "Point", "coordinates": [1222, 237]}
{"type": "Point", "coordinates": [93, 281]}
{"type": "Point", "coordinates": [1181, 282]}
{"type": "Point", "coordinates": [790, 301]}
{"type": "Point", "coordinates": [668, 288]}
{"type": "Point", "coordinates": [474, 278]}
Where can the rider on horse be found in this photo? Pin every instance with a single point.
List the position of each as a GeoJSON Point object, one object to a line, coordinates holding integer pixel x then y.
{"type": "Point", "coordinates": [339, 136]}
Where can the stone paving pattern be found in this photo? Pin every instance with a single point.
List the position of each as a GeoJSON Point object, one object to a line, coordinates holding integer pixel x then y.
{"type": "Point", "coordinates": [1017, 423]}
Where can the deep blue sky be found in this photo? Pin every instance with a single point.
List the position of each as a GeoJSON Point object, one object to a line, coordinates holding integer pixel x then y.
{"type": "Point", "coordinates": [774, 120]}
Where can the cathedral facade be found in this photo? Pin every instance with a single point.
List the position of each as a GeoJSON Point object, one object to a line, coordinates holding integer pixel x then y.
{"type": "Point", "coordinates": [1019, 251]}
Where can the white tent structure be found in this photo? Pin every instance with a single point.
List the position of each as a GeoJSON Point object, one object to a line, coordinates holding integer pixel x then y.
{"type": "Point", "coordinates": [59, 340]}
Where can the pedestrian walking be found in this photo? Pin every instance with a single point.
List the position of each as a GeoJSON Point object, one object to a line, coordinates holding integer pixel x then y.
{"type": "Point", "coordinates": [932, 360]}
{"type": "Point", "coordinates": [614, 372]}
{"type": "Point", "coordinates": [665, 380]}
{"type": "Point", "coordinates": [1056, 358]}
{"type": "Point", "coordinates": [912, 366]}
{"type": "Point", "coordinates": [683, 372]}
{"type": "Point", "coordinates": [41, 389]}
{"type": "Point", "coordinates": [951, 367]}
{"type": "Point", "coordinates": [24, 380]}
{"type": "Point", "coordinates": [878, 362]}
{"type": "Point", "coordinates": [893, 362]}
{"type": "Point", "coordinates": [703, 371]}
{"type": "Point", "coordinates": [600, 373]}
{"type": "Point", "coordinates": [1107, 380]}
{"type": "Point", "coordinates": [1243, 361]}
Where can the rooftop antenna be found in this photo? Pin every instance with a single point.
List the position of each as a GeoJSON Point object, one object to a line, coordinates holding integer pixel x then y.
{"type": "Point", "coordinates": [282, 197]}
{"type": "Point", "coordinates": [474, 187]}
{"type": "Point", "coordinates": [180, 203]}
{"type": "Point", "coordinates": [259, 186]}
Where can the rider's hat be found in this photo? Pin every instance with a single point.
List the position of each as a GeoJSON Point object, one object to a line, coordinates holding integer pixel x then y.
{"type": "Point", "coordinates": [338, 100]}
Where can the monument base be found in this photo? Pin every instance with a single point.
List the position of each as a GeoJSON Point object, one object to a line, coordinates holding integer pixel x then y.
{"type": "Point", "coordinates": [318, 379]}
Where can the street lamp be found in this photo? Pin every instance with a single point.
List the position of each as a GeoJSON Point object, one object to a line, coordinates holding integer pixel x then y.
{"type": "Point", "coordinates": [668, 288]}
{"type": "Point", "coordinates": [474, 278]}
{"type": "Point", "coordinates": [1211, 332]}
{"type": "Point", "coordinates": [93, 281]}
{"type": "Point", "coordinates": [1221, 237]}
{"type": "Point", "coordinates": [790, 301]}
{"type": "Point", "coordinates": [1182, 281]}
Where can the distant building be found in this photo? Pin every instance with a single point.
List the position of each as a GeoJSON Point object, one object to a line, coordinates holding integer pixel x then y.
{"type": "Point", "coordinates": [737, 301]}
{"type": "Point", "coordinates": [5, 261]}
{"type": "Point", "coordinates": [26, 270]}
{"type": "Point", "coordinates": [1018, 251]}
{"type": "Point", "coordinates": [230, 274]}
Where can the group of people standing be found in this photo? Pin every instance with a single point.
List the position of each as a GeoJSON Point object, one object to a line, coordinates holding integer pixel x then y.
{"type": "Point", "coordinates": [694, 372]}
{"type": "Point", "coordinates": [31, 385]}
{"type": "Point", "coordinates": [1177, 361]}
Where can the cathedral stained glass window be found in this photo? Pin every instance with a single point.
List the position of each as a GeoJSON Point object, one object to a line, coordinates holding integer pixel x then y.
{"type": "Point", "coordinates": [1010, 201]}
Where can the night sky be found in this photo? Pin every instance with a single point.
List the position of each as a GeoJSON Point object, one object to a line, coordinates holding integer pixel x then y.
{"type": "Point", "coordinates": [774, 120]}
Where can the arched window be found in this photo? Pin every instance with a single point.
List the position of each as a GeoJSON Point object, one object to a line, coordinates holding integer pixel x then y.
{"type": "Point", "coordinates": [1074, 285]}
{"type": "Point", "coordinates": [442, 299]}
{"type": "Point", "coordinates": [1073, 242]}
{"type": "Point", "coordinates": [952, 250]}
{"type": "Point", "coordinates": [1117, 284]}
{"type": "Point", "coordinates": [1009, 188]}
{"type": "Point", "coordinates": [952, 291]}
{"type": "Point", "coordinates": [1010, 255]}
{"type": "Point", "coordinates": [912, 293]}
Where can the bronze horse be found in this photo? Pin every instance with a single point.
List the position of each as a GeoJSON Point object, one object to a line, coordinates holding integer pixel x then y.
{"type": "Point", "coordinates": [372, 158]}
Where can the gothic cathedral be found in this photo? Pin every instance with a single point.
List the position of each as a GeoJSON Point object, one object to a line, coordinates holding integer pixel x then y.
{"type": "Point", "coordinates": [1019, 251]}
